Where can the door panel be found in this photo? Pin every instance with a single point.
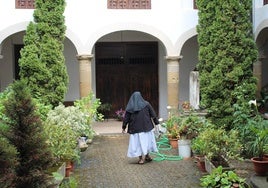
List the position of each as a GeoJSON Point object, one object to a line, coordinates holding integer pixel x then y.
{"type": "Point", "coordinates": [122, 68]}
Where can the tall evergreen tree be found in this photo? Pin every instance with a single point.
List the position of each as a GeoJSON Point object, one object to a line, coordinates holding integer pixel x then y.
{"type": "Point", "coordinates": [227, 52]}
{"type": "Point", "coordinates": [42, 63]}
{"type": "Point", "coordinates": [27, 135]}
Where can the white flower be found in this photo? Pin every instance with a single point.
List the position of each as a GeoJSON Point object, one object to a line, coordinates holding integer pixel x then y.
{"type": "Point", "coordinates": [253, 102]}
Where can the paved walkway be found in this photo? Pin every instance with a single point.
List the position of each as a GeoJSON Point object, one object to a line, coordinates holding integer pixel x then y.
{"type": "Point", "coordinates": [105, 165]}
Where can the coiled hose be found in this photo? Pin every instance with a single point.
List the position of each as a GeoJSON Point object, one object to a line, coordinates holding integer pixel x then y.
{"type": "Point", "coordinates": [163, 144]}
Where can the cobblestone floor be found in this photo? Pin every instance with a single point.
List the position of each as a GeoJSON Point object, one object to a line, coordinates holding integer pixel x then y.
{"type": "Point", "coordinates": [105, 164]}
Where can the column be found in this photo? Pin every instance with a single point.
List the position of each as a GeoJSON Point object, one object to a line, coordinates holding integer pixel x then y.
{"type": "Point", "coordinates": [194, 89]}
{"type": "Point", "coordinates": [257, 72]}
{"type": "Point", "coordinates": [173, 80]}
{"type": "Point", "coordinates": [85, 74]}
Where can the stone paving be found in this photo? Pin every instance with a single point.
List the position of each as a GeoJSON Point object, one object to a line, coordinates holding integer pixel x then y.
{"type": "Point", "coordinates": [105, 165]}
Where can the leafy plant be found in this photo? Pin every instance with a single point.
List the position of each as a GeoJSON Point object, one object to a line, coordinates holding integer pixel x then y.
{"type": "Point", "coordinates": [252, 127]}
{"type": "Point", "coordinates": [191, 125]}
{"type": "Point", "coordinates": [172, 126]}
{"type": "Point", "coordinates": [220, 178]}
{"type": "Point", "coordinates": [63, 127]}
{"type": "Point", "coordinates": [120, 114]}
{"type": "Point", "coordinates": [218, 143]}
{"type": "Point", "coordinates": [69, 183]}
{"type": "Point", "coordinates": [90, 106]}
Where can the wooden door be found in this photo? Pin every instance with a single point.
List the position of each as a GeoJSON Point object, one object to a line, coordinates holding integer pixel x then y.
{"type": "Point", "coordinates": [122, 68]}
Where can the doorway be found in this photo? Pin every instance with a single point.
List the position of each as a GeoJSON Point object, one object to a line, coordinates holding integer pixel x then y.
{"type": "Point", "coordinates": [125, 67]}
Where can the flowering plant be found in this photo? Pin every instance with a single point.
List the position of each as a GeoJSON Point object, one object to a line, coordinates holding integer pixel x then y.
{"type": "Point", "coordinates": [120, 114]}
{"type": "Point", "coordinates": [186, 105]}
{"type": "Point", "coordinates": [259, 128]}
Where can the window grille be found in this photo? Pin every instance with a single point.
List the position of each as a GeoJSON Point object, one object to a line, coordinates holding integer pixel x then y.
{"type": "Point", "coordinates": [195, 7]}
{"type": "Point", "coordinates": [129, 4]}
{"type": "Point", "coordinates": [24, 4]}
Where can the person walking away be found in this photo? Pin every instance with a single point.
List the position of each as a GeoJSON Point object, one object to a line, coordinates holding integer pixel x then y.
{"type": "Point", "coordinates": [138, 120]}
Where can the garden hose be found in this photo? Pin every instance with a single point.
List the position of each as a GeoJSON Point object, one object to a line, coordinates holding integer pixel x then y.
{"type": "Point", "coordinates": [163, 144]}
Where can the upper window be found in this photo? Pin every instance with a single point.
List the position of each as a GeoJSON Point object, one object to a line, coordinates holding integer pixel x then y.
{"type": "Point", "coordinates": [25, 4]}
{"type": "Point", "coordinates": [195, 7]}
{"type": "Point", "coordinates": [129, 4]}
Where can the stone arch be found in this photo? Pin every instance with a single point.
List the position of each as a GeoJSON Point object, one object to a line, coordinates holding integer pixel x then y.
{"type": "Point", "coordinates": [131, 27]}
{"type": "Point", "coordinates": [183, 38]}
{"type": "Point", "coordinates": [12, 30]}
{"type": "Point", "coordinates": [260, 27]}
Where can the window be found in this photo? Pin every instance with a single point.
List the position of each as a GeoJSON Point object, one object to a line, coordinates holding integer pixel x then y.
{"type": "Point", "coordinates": [24, 4]}
{"type": "Point", "coordinates": [195, 7]}
{"type": "Point", "coordinates": [129, 4]}
{"type": "Point", "coordinates": [265, 2]}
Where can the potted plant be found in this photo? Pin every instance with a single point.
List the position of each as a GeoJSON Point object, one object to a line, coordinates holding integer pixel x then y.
{"type": "Point", "coordinates": [219, 146]}
{"type": "Point", "coordinates": [172, 127]}
{"type": "Point", "coordinates": [63, 130]}
{"type": "Point", "coordinates": [120, 114]}
{"type": "Point", "coordinates": [258, 140]}
{"type": "Point", "coordinates": [198, 148]}
{"type": "Point", "coordinates": [220, 178]}
{"type": "Point", "coordinates": [258, 145]}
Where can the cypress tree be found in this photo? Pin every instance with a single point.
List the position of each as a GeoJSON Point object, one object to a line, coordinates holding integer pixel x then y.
{"type": "Point", "coordinates": [8, 161]}
{"type": "Point", "coordinates": [227, 52]}
{"type": "Point", "coordinates": [27, 135]}
{"type": "Point", "coordinates": [42, 63]}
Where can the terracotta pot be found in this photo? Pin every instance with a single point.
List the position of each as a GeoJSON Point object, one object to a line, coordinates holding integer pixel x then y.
{"type": "Point", "coordinates": [260, 166]}
{"type": "Point", "coordinates": [68, 169]}
{"type": "Point", "coordinates": [173, 143]}
{"type": "Point", "coordinates": [201, 163]}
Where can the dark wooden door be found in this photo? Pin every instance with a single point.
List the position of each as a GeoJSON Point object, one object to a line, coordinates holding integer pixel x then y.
{"type": "Point", "coordinates": [122, 68]}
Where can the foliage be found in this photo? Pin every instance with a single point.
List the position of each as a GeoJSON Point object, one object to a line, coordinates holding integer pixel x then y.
{"type": "Point", "coordinates": [219, 142]}
{"type": "Point", "coordinates": [8, 161]}
{"type": "Point", "coordinates": [90, 106]}
{"type": "Point", "coordinates": [63, 127]}
{"type": "Point", "coordinates": [226, 54]}
{"type": "Point", "coordinates": [71, 117]}
{"type": "Point", "coordinates": [172, 126]}
{"type": "Point", "coordinates": [27, 136]}
{"type": "Point", "coordinates": [120, 114]}
{"type": "Point", "coordinates": [191, 125]}
{"type": "Point", "coordinates": [69, 183]}
{"type": "Point", "coordinates": [104, 109]}
{"type": "Point", "coordinates": [3, 97]}
{"type": "Point", "coordinates": [42, 63]}
{"type": "Point", "coordinates": [252, 128]}
{"type": "Point", "coordinates": [220, 178]}
{"type": "Point", "coordinates": [42, 109]}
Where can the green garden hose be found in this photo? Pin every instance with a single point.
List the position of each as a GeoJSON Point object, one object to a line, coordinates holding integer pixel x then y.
{"type": "Point", "coordinates": [163, 144]}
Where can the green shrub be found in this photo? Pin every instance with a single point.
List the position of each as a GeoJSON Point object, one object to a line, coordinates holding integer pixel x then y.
{"type": "Point", "coordinates": [220, 178]}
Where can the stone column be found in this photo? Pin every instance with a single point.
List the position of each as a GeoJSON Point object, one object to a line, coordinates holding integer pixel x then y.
{"type": "Point", "coordinates": [173, 81]}
{"type": "Point", "coordinates": [257, 72]}
{"type": "Point", "coordinates": [85, 74]}
{"type": "Point", "coordinates": [194, 89]}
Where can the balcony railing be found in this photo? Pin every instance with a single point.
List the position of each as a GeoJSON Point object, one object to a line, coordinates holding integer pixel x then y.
{"type": "Point", "coordinates": [24, 4]}
{"type": "Point", "coordinates": [129, 4]}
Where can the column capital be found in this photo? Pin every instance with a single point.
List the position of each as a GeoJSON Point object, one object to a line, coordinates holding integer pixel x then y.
{"type": "Point", "coordinates": [173, 58]}
{"type": "Point", "coordinates": [84, 56]}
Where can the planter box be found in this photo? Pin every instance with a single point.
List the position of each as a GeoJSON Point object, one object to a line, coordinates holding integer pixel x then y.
{"type": "Point", "coordinates": [210, 166]}
{"type": "Point", "coordinates": [60, 173]}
